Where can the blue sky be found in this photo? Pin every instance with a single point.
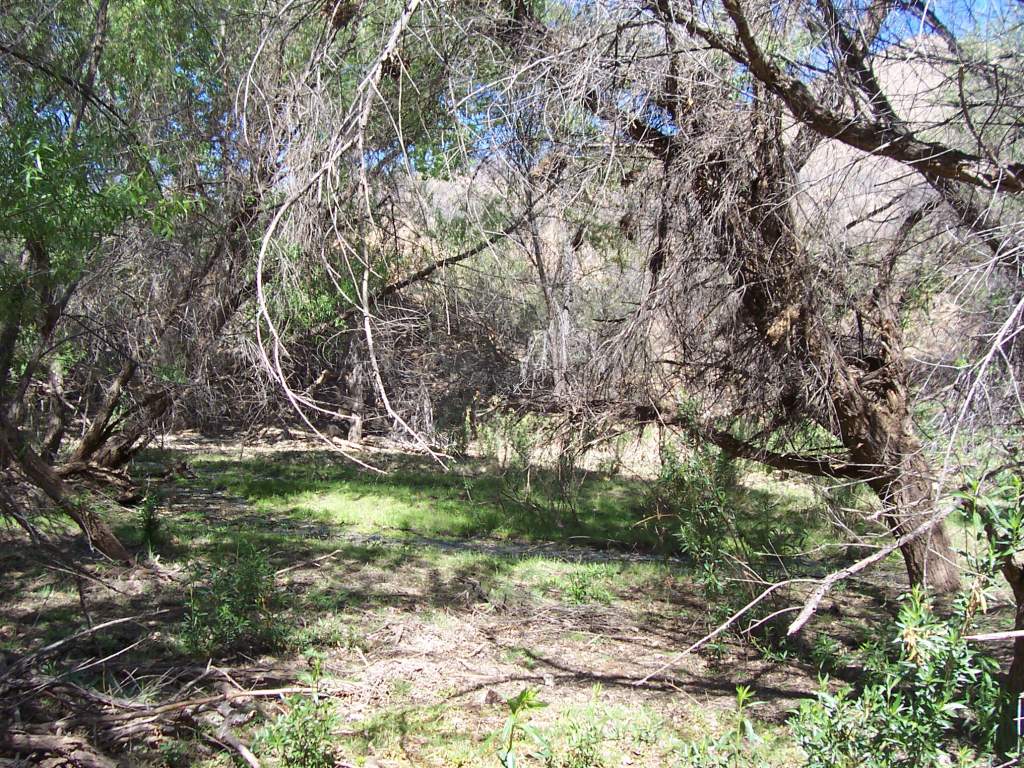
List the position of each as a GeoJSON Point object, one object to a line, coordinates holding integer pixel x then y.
{"type": "Point", "coordinates": [963, 17]}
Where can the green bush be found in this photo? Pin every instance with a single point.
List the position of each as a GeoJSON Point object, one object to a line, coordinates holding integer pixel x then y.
{"type": "Point", "coordinates": [235, 608]}
{"type": "Point", "coordinates": [151, 526]}
{"type": "Point", "coordinates": [691, 498]}
{"type": "Point", "coordinates": [698, 499]}
{"type": "Point", "coordinates": [302, 737]}
{"type": "Point", "coordinates": [922, 690]}
{"type": "Point", "coordinates": [588, 584]}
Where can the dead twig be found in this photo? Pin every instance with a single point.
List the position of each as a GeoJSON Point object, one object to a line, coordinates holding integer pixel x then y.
{"type": "Point", "coordinates": [307, 563]}
{"type": "Point", "coordinates": [46, 650]}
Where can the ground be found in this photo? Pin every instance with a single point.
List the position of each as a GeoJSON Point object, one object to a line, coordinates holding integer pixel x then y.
{"type": "Point", "coordinates": [416, 604]}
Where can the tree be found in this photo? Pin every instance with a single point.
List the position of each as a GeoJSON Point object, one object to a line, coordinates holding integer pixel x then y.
{"type": "Point", "coordinates": [125, 239]}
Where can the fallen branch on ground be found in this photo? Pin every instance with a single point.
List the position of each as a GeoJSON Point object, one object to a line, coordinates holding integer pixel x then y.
{"type": "Point", "coordinates": [812, 603]}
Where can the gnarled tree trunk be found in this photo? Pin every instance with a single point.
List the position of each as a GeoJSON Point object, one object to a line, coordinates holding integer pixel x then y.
{"type": "Point", "coordinates": [879, 434]}
{"type": "Point", "coordinates": [909, 498]}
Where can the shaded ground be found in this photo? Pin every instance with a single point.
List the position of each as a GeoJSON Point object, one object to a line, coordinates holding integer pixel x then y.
{"type": "Point", "coordinates": [425, 601]}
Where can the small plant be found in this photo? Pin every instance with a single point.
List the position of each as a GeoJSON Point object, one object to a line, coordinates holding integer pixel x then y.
{"type": "Point", "coordinates": [516, 726]}
{"type": "Point", "coordinates": [174, 754]}
{"type": "Point", "coordinates": [825, 651]}
{"type": "Point", "coordinates": [302, 737]}
{"type": "Point", "coordinates": [329, 632]}
{"type": "Point", "coordinates": [401, 689]}
{"type": "Point", "coordinates": [777, 652]}
{"type": "Point", "coordinates": [583, 749]}
{"type": "Point", "coordinates": [235, 608]}
{"type": "Point", "coordinates": [520, 656]}
{"type": "Point", "coordinates": [585, 585]}
{"type": "Point", "coordinates": [731, 749]}
{"type": "Point", "coordinates": [151, 526]}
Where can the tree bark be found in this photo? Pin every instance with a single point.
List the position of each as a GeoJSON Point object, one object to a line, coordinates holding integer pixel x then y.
{"type": "Point", "coordinates": [909, 498]}
{"type": "Point", "coordinates": [120, 449]}
{"type": "Point", "coordinates": [1009, 738]}
{"type": "Point", "coordinates": [876, 427]}
{"type": "Point", "coordinates": [13, 447]}
{"type": "Point", "coordinates": [99, 427]}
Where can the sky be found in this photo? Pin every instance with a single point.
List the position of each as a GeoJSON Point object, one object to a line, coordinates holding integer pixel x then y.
{"type": "Point", "coordinates": [970, 17]}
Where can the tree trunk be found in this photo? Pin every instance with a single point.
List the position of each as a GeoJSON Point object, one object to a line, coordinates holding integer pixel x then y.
{"type": "Point", "coordinates": [1009, 736]}
{"type": "Point", "coordinates": [14, 448]}
{"type": "Point", "coordinates": [59, 410]}
{"type": "Point", "coordinates": [909, 498]}
{"type": "Point", "coordinates": [99, 427]}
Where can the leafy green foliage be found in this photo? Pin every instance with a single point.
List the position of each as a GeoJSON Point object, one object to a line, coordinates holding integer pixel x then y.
{"type": "Point", "coordinates": [998, 511]}
{"type": "Point", "coordinates": [693, 495]}
{"type": "Point", "coordinates": [52, 191]}
{"type": "Point", "coordinates": [235, 608]}
{"type": "Point", "coordinates": [517, 727]}
{"type": "Point", "coordinates": [921, 688]}
{"type": "Point", "coordinates": [302, 736]}
{"type": "Point", "coordinates": [995, 507]}
{"type": "Point", "coordinates": [588, 584]}
{"type": "Point", "coordinates": [151, 526]}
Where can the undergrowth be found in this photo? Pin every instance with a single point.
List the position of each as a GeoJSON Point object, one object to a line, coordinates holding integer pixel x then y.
{"type": "Point", "coordinates": [303, 736]}
{"type": "Point", "coordinates": [928, 697]}
{"type": "Point", "coordinates": [233, 607]}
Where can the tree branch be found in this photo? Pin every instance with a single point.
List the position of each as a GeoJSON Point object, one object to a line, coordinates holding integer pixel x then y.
{"type": "Point", "coordinates": [892, 141]}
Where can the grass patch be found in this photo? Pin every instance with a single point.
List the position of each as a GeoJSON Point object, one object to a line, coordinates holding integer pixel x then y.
{"type": "Point", "coordinates": [313, 488]}
{"type": "Point", "coordinates": [435, 734]}
{"type": "Point", "coordinates": [380, 570]}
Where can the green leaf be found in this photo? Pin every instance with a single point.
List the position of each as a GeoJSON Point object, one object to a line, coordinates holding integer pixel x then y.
{"type": "Point", "coordinates": [526, 699]}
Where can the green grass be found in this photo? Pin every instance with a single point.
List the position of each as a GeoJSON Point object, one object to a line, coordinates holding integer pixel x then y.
{"type": "Point", "coordinates": [416, 497]}
{"type": "Point", "coordinates": [318, 498]}
{"type": "Point", "coordinates": [435, 733]}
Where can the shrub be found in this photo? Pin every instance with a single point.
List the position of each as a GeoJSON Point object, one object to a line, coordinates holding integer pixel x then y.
{"type": "Point", "coordinates": [235, 608]}
{"type": "Point", "coordinates": [587, 584]}
{"type": "Point", "coordinates": [302, 736]}
{"type": "Point", "coordinates": [723, 530]}
{"type": "Point", "coordinates": [691, 498]}
{"type": "Point", "coordinates": [920, 690]}
{"type": "Point", "coordinates": [151, 526]}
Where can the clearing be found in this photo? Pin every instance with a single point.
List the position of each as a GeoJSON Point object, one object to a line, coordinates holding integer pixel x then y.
{"type": "Point", "coordinates": [417, 603]}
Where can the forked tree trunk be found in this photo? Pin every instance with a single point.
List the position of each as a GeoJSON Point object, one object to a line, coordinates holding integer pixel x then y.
{"type": "Point", "coordinates": [13, 448]}
{"type": "Point", "coordinates": [118, 449]}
